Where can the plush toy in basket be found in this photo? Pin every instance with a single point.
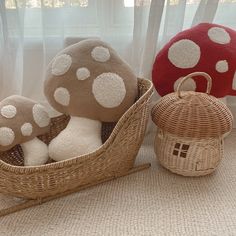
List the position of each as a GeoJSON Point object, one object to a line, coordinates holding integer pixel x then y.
{"type": "Point", "coordinates": [191, 126]}
{"type": "Point", "coordinates": [92, 84]}
{"type": "Point", "coordinates": [105, 112]}
{"type": "Point", "coordinates": [21, 121]}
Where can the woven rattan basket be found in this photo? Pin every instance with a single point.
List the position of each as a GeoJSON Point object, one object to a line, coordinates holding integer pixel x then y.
{"type": "Point", "coordinates": [191, 126]}
{"type": "Point", "coordinates": [114, 159]}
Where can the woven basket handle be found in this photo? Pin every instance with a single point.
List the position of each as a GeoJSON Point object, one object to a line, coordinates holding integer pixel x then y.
{"type": "Point", "coordinates": [203, 74]}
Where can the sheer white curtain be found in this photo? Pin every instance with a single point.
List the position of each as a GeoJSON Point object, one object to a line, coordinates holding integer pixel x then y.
{"type": "Point", "coordinates": [33, 31]}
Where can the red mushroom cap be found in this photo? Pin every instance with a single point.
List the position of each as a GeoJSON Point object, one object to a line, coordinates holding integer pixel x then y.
{"type": "Point", "coordinates": [210, 48]}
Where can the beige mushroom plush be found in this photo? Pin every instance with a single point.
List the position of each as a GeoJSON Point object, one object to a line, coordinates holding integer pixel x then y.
{"type": "Point", "coordinates": [91, 83]}
{"type": "Point", "coordinates": [21, 121]}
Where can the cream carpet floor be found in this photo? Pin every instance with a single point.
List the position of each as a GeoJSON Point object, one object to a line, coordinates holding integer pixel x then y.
{"type": "Point", "coordinates": [151, 202]}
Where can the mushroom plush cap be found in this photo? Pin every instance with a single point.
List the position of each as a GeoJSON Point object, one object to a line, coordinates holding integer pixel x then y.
{"type": "Point", "coordinates": [210, 48]}
{"type": "Point", "coordinates": [21, 120]}
{"type": "Point", "coordinates": [194, 115]}
{"type": "Point", "coordinates": [90, 80]}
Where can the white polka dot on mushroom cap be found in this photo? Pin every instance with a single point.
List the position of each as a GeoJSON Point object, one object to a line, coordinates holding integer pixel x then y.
{"type": "Point", "coordinates": [109, 90]}
{"type": "Point", "coordinates": [222, 66]}
{"type": "Point", "coordinates": [234, 81]}
{"type": "Point", "coordinates": [8, 111]}
{"type": "Point", "coordinates": [7, 136]}
{"type": "Point", "coordinates": [62, 96]}
{"type": "Point", "coordinates": [26, 129]}
{"type": "Point", "coordinates": [219, 35]}
{"type": "Point", "coordinates": [187, 85]}
{"type": "Point", "coordinates": [100, 54]}
{"type": "Point", "coordinates": [82, 73]}
{"type": "Point", "coordinates": [40, 115]}
{"type": "Point", "coordinates": [61, 64]}
{"type": "Point", "coordinates": [184, 54]}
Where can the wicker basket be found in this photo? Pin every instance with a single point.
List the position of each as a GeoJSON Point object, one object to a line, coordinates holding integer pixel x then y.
{"type": "Point", "coordinates": [191, 126]}
{"type": "Point", "coordinates": [115, 158]}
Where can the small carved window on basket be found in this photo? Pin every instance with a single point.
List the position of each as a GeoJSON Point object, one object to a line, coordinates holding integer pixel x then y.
{"type": "Point", "coordinates": [180, 150]}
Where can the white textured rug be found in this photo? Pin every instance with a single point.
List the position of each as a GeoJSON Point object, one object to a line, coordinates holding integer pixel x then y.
{"type": "Point", "coordinates": [152, 202]}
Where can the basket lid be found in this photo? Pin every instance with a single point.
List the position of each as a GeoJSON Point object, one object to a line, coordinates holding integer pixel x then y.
{"type": "Point", "coordinates": [192, 114]}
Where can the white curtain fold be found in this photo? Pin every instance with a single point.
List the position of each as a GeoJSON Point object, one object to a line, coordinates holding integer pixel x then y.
{"type": "Point", "coordinates": [206, 11]}
{"type": "Point", "coordinates": [139, 35]}
{"type": "Point", "coordinates": [174, 20]}
{"type": "Point", "coordinates": [153, 28]}
{"type": "Point", "coordinates": [11, 52]}
{"type": "Point", "coordinates": [33, 31]}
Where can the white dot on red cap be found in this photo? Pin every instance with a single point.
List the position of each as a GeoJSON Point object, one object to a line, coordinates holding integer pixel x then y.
{"type": "Point", "coordinates": [100, 54]}
{"type": "Point", "coordinates": [234, 81]}
{"type": "Point", "coordinates": [187, 85]}
{"type": "Point", "coordinates": [184, 54]}
{"type": "Point", "coordinates": [218, 35]}
{"type": "Point", "coordinates": [26, 129]}
{"type": "Point", "coordinates": [40, 115]}
{"type": "Point", "coordinates": [62, 96]}
{"type": "Point", "coordinates": [109, 90]}
{"type": "Point", "coordinates": [7, 136]}
{"type": "Point", "coordinates": [82, 73]}
{"type": "Point", "coordinates": [61, 64]}
{"type": "Point", "coordinates": [8, 111]}
{"type": "Point", "coordinates": [222, 66]}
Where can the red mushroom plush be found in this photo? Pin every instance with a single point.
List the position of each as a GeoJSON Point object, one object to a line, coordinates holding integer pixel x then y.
{"type": "Point", "coordinates": [206, 47]}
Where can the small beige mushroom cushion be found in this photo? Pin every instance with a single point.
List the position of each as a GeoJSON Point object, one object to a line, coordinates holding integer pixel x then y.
{"type": "Point", "coordinates": [91, 83]}
{"type": "Point", "coordinates": [21, 121]}
{"type": "Point", "coordinates": [89, 79]}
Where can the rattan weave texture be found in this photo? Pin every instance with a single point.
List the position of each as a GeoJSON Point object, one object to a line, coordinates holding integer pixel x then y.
{"type": "Point", "coordinates": [114, 158]}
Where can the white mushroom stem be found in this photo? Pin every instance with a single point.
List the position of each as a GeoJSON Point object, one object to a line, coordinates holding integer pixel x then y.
{"type": "Point", "coordinates": [81, 136]}
{"type": "Point", "coordinates": [35, 152]}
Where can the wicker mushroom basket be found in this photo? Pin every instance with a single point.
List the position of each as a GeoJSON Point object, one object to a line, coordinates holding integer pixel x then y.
{"type": "Point", "coordinates": [115, 158]}
{"type": "Point", "coordinates": [191, 129]}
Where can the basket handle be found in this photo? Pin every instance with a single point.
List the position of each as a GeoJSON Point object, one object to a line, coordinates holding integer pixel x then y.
{"type": "Point", "coordinates": [203, 74]}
